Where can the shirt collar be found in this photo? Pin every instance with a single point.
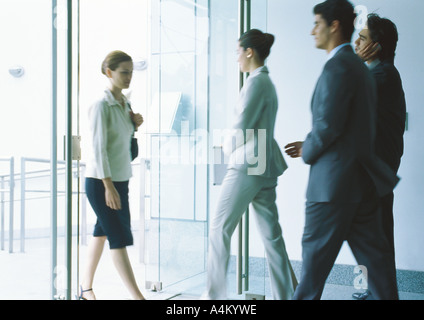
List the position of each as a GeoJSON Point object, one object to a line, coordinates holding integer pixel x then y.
{"type": "Point", "coordinates": [373, 64]}
{"type": "Point", "coordinates": [336, 49]}
{"type": "Point", "coordinates": [259, 70]}
{"type": "Point", "coordinates": [110, 99]}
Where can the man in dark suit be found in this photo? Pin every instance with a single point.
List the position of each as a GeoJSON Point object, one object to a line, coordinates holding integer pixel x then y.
{"type": "Point", "coordinates": [376, 45]}
{"type": "Point", "coordinates": [346, 177]}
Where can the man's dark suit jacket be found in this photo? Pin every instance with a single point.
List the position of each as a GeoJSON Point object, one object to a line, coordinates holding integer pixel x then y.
{"type": "Point", "coordinates": [341, 146]}
{"type": "Point", "coordinates": [391, 113]}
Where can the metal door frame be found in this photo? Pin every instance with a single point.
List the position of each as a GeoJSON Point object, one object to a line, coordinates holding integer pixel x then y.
{"type": "Point", "coordinates": [242, 259]}
{"type": "Point", "coordinates": [68, 152]}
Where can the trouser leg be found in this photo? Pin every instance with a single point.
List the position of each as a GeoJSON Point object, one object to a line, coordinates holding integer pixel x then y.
{"type": "Point", "coordinates": [283, 280]}
{"type": "Point", "coordinates": [326, 226]}
{"type": "Point", "coordinates": [372, 249]}
{"type": "Point", "coordinates": [237, 192]}
{"type": "Point", "coordinates": [387, 219]}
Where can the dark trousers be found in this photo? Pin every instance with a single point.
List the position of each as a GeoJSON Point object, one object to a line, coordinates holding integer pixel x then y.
{"type": "Point", "coordinates": [327, 226]}
{"type": "Point", "coordinates": [387, 219]}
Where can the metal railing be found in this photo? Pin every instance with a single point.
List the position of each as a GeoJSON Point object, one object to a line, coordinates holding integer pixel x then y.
{"type": "Point", "coordinates": [10, 180]}
{"type": "Point", "coordinates": [10, 190]}
{"type": "Point", "coordinates": [23, 177]}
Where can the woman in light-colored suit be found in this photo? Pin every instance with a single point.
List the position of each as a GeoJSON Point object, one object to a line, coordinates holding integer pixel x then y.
{"type": "Point", "coordinates": [255, 163]}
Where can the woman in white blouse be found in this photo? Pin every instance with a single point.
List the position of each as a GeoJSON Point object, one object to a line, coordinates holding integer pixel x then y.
{"type": "Point", "coordinates": [112, 124]}
{"type": "Point", "coordinates": [251, 178]}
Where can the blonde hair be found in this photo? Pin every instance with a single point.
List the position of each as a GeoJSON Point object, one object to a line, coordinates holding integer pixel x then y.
{"type": "Point", "coordinates": [113, 59]}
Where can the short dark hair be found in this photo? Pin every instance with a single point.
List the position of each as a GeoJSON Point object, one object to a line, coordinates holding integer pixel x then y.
{"type": "Point", "coordinates": [383, 31]}
{"type": "Point", "coordinates": [340, 10]}
{"type": "Point", "coordinates": [259, 41]}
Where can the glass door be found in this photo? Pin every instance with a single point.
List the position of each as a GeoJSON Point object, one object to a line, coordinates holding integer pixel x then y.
{"type": "Point", "coordinates": [65, 164]}
{"type": "Point", "coordinates": [224, 87]}
{"type": "Point", "coordinates": [185, 84]}
{"type": "Point", "coordinates": [177, 145]}
{"type": "Point", "coordinates": [105, 26]}
{"type": "Point", "coordinates": [195, 83]}
{"type": "Point", "coordinates": [38, 182]}
{"type": "Point", "coordinates": [247, 274]}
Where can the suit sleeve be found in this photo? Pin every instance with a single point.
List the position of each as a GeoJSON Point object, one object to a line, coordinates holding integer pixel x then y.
{"type": "Point", "coordinates": [330, 111]}
{"type": "Point", "coordinates": [251, 106]}
{"type": "Point", "coordinates": [250, 109]}
{"type": "Point", "coordinates": [391, 114]}
{"type": "Point", "coordinates": [98, 123]}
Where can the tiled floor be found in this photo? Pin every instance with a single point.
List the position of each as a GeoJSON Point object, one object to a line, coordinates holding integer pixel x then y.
{"type": "Point", "coordinates": [26, 276]}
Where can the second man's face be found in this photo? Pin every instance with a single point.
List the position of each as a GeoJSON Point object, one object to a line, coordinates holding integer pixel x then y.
{"type": "Point", "coordinates": [363, 40]}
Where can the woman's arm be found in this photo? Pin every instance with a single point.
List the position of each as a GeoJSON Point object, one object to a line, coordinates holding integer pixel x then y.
{"type": "Point", "coordinates": [250, 109]}
{"type": "Point", "coordinates": [98, 118]}
{"type": "Point", "coordinates": [113, 200]}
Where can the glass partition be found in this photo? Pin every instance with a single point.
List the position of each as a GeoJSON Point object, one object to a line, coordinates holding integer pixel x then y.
{"type": "Point", "coordinates": [35, 215]}
{"type": "Point", "coordinates": [185, 84]}
{"type": "Point", "coordinates": [194, 89]}
{"type": "Point", "coordinates": [176, 146]}
{"type": "Point", "coordinates": [247, 274]}
{"type": "Point", "coordinates": [129, 32]}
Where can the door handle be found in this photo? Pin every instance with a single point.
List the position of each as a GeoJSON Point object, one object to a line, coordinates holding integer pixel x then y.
{"type": "Point", "coordinates": [76, 148]}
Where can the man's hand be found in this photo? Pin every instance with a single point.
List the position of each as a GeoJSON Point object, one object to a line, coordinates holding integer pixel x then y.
{"type": "Point", "coordinates": [370, 52]}
{"type": "Point", "coordinates": [294, 149]}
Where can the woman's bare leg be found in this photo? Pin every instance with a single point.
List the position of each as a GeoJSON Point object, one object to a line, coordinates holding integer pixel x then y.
{"type": "Point", "coordinates": [95, 250]}
{"type": "Point", "coordinates": [123, 265]}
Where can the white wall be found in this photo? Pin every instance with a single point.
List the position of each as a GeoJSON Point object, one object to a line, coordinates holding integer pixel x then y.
{"type": "Point", "coordinates": [26, 101]}
{"type": "Point", "coordinates": [295, 65]}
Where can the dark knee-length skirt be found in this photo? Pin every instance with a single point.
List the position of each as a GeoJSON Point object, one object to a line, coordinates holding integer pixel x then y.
{"type": "Point", "coordinates": [114, 224]}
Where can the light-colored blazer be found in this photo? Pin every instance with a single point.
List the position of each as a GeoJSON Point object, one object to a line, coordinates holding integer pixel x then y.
{"type": "Point", "coordinates": [111, 129]}
{"type": "Point", "coordinates": [251, 146]}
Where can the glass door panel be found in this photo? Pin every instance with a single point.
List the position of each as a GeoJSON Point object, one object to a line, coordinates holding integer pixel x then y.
{"type": "Point", "coordinates": [224, 88]}
{"type": "Point", "coordinates": [129, 32]}
{"type": "Point", "coordinates": [226, 21]}
{"type": "Point", "coordinates": [258, 271]}
{"type": "Point", "coordinates": [177, 145]}
{"type": "Point", "coordinates": [32, 233]}
{"type": "Point", "coordinates": [194, 88]}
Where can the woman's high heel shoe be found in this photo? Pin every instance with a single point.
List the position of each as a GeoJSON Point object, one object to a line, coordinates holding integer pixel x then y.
{"type": "Point", "coordinates": [82, 292]}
